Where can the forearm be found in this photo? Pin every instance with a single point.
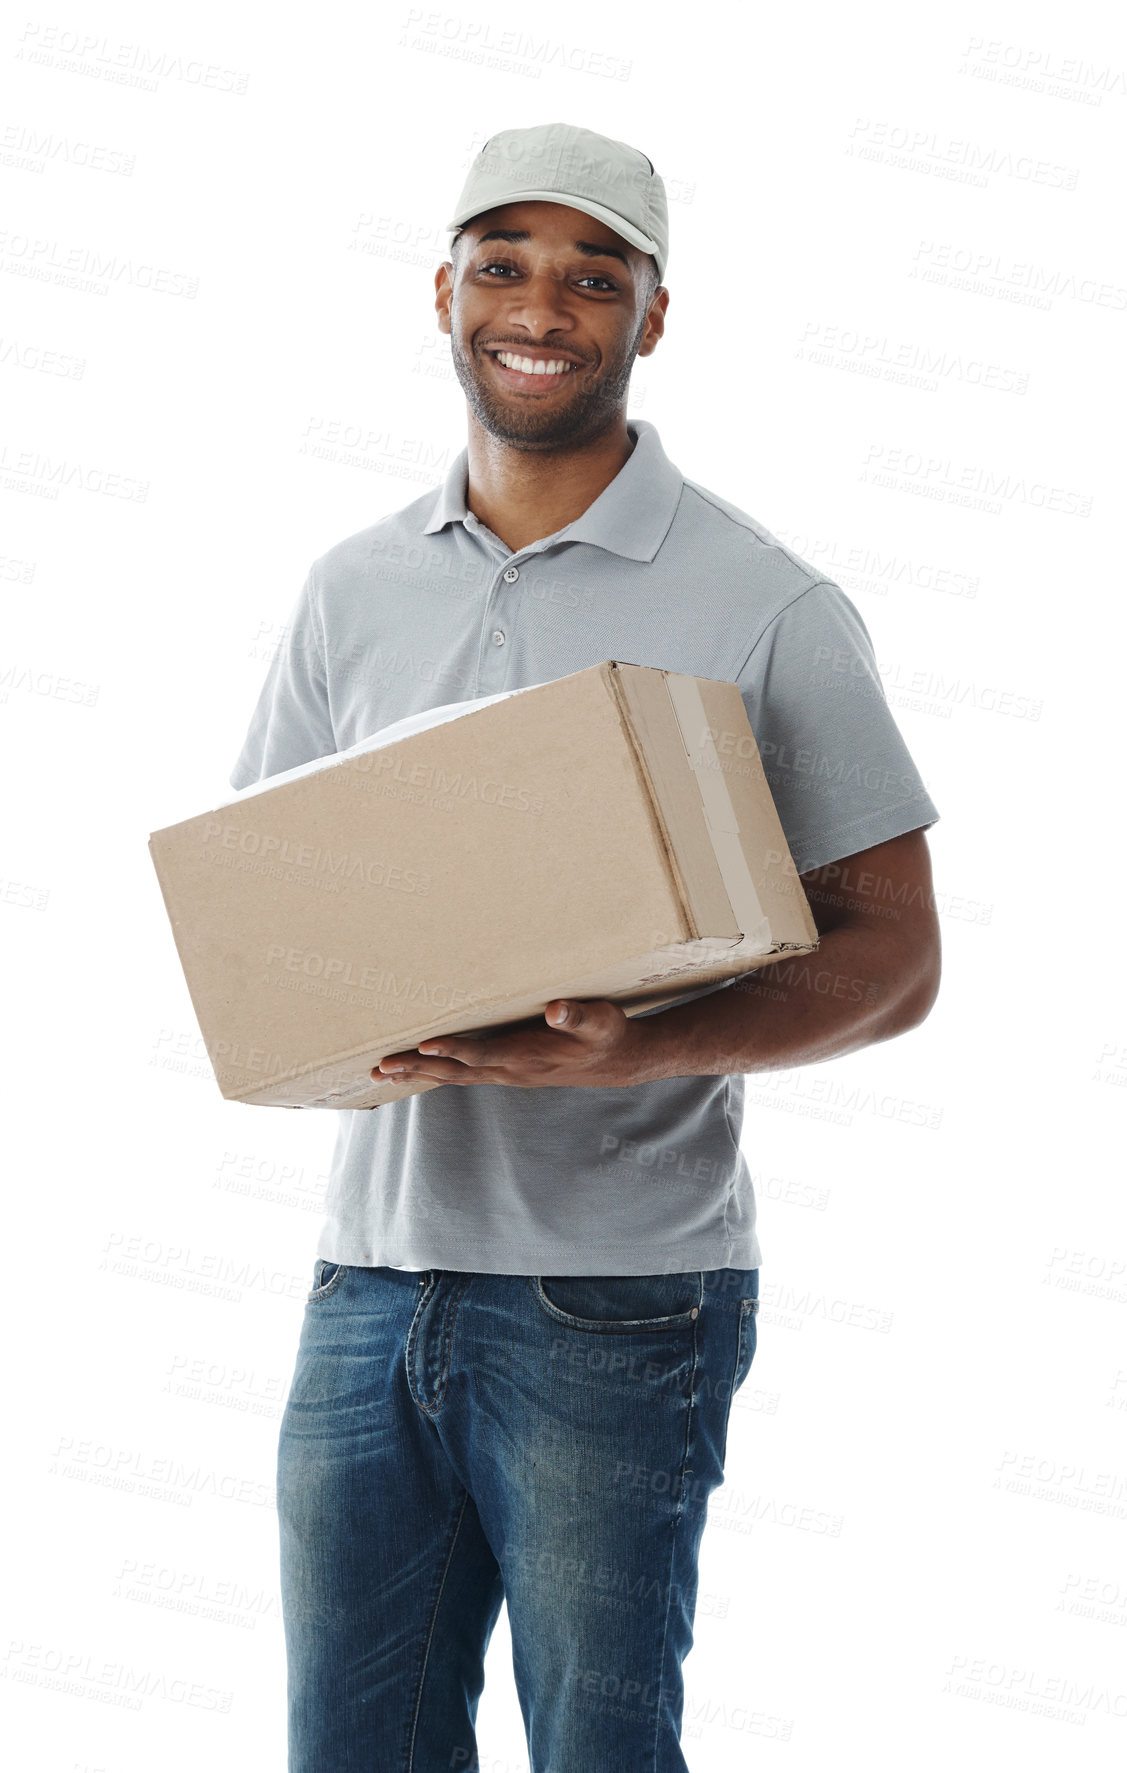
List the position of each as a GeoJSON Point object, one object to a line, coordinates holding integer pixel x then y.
{"type": "Point", "coordinates": [857, 988]}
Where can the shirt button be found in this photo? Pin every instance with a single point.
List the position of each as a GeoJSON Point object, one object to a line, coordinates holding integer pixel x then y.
{"type": "Point", "coordinates": [498, 637]}
{"type": "Point", "coordinates": [511, 575]}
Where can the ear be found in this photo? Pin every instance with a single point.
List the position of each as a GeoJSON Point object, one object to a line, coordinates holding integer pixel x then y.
{"type": "Point", "coordinates": [443, 294]}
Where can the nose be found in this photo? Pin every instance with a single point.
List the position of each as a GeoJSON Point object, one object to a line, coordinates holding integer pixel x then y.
{"type": "Point", "coordinates": [540, 308]}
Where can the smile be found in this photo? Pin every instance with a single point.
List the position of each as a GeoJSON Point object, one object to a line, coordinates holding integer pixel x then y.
{"type": "Point", "coordinates": [534, 373]}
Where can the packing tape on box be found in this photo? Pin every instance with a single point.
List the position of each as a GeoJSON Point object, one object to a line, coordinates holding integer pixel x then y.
{"type": "Point", "coordinates": [700, 747]}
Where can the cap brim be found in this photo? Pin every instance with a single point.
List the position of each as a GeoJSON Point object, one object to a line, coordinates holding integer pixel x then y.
{"type": "Point", "coordinates": [598, 210]}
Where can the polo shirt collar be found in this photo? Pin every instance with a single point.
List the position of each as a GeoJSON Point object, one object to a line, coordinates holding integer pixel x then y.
{"type": "Point", "coordinates": [630, 517]}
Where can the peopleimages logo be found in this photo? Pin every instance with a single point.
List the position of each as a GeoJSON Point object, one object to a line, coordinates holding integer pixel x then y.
{"type": "Point", "coordinates": [398, 988]}
{"type": "Point", "coordinates": [319, 860]}
{"type": "Point", "coordinates": [1016, 280]}
{"type": "Point", "coordinates": [389, 766]}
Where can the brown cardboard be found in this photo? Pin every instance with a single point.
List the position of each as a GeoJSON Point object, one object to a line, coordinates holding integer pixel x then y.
{"type": "Point", "coordinates": [608, 834]}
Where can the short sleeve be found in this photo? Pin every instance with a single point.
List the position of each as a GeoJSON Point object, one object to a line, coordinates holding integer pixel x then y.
{"type": "Point", "coordinates": [291, 723]}
{"type": "Point", "coordinates": [840, 772]}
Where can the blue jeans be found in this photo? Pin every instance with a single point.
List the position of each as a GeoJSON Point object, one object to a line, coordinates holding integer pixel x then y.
{"type": "Point", "coordinates": [454, 1439]}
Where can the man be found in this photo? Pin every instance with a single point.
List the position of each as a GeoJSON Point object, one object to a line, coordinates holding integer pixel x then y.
{"type": "Point", "coordinates": [536, 1287]}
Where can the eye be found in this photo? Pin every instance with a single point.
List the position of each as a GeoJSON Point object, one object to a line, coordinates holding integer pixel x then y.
{"type": "Point", "coordinates": [590, 277]}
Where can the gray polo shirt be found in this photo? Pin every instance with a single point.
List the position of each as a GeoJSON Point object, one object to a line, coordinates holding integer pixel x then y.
{"type": "Point", "coordinates": [428, 606]}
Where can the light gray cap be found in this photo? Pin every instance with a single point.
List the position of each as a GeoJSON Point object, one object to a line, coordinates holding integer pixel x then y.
{"type": "Point", "coordinates": [561, 163]}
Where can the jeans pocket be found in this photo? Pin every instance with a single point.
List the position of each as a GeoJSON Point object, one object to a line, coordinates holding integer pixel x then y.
{"type": "Point", "coordinates": [745, 1343]}
{"type": "Point", "coordinates": [746, 1310]}
{"type": "Point", "coordinates": [327, 1277]}
{"type": "Point", "coordinates": [620, 1304]}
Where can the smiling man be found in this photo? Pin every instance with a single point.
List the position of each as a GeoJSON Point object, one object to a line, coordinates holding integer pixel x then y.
{"type": "Point", "coordinates": [536, 1288]}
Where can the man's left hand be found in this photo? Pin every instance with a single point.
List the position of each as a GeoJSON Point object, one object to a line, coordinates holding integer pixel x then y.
{"type": "Point", "coordinates": [595, 1044]}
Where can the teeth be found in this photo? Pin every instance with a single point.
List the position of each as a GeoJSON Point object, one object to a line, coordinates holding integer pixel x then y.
{"type": "Point", "coordinates": [531, 366]}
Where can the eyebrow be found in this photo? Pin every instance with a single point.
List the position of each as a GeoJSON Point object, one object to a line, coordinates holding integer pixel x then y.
{"type": "Point", "coordinates": [521, 237]}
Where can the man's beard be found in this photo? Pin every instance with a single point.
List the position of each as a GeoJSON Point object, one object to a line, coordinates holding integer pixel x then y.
{"type": "Point", "coordinates": [531, 423]}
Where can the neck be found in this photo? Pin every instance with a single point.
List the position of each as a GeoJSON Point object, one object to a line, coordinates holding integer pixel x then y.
{"type": "Point", "coordinates": [523, 495]}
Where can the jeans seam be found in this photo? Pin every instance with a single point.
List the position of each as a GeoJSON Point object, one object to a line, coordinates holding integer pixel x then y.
{"type": "Point", "coordinates": [447, 1340]}
{"type": "Point", "coordinates": [740, 1321]}
{"type": "Point", "coordinates": [431, 1409]}
{"type": "Point", "coordinates": [409, 1347]}
{"type": "Point", "coordinates": [690, 1423]}
{"type": "Point", "coordinates": [746, 1309]}
{"type": "Point", "coordinates": [430, 1634]}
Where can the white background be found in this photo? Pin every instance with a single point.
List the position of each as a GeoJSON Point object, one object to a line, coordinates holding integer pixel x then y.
{"type": "Point", "coordinates": [919, 1555]}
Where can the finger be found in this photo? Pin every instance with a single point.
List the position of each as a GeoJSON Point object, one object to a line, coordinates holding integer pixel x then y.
{"type": "Point", "coordinates": [471, 1050]}
{"type": "Point", "coordinates": [441, 1070]}
{"type": "Point", "coordinates": [593, 1019]}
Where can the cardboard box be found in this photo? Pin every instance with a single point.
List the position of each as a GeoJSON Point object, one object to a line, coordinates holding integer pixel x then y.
{"type": "Point", "coordinates": [608, 834]}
